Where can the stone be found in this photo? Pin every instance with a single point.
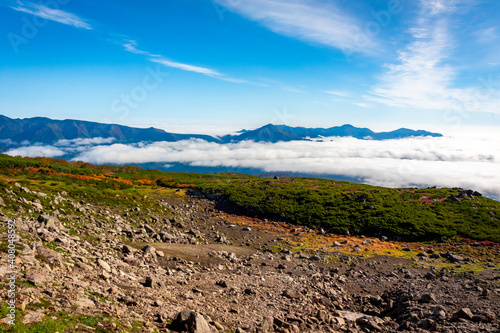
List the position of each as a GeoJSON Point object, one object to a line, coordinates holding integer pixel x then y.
{"type": "Point", "coordinates": [369, 323]}
{"type": "Point", "coordinates": [104, 265]}
{"type": "Point", "coordinates": [32, 317]}
{"type": "Point", "coordinates": [289, 293]}
{"type": "Point", "coordinates": [51, 223]}
{"type": "Point", "coordinates": [84, 303]}
{"type": "Point", "coordinates": [167, 238]}
{"type": "Point", "coordinates": [47, 255]}
{"type": "Point", "coordinates": [453, 257]}
{"type": "Point", "coordinates": [322, 315]}
{"type": "Point", "coordinates": [221, 283]}
{"type": "Point", "coordinates": [218, 326]}
{"type": "Point", "coordinates": [484, 317]}
{"type": "Point", "coordinates": [427, 298]}
{"type": "Point", "coordinates": [127, 249]}
{"type": "Point", "coordinates": [464, 313]}
{"type": "Point", "coordinates": [148, 249]}
{"type": "Point", "coordinates": [37, 278]}
{"type": "Point", "coordinates": [193, 322]}
{"type": "Point", "coordinates": [152, 282]}
{"type": "Point", "coordinates": [149, 230]}
{"type": "Point", "coordinates": [349, 315]}
{"type": "Point", "coordinates": [266, 326]}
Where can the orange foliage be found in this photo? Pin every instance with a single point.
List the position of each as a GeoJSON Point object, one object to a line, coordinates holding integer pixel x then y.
{"type": "Point", "coordinates": [186, 185]}
{"type": "Point", "coordinates": [146, 182]}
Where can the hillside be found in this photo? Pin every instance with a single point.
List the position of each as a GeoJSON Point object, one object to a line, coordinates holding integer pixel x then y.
{"type": "Point", "coordinates": [122, 249]}
{"type": "Point", "coordinates": [336, 206]}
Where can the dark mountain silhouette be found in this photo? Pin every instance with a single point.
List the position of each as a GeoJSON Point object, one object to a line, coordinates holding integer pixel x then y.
{"type": "Point", "coordinates": [267, 133]}
{"type": "Point", "coordinates": [48, 131]}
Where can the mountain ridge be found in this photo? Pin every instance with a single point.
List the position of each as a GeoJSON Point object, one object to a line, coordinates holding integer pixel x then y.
{"type": "Point", "coordinates": [48, 131]}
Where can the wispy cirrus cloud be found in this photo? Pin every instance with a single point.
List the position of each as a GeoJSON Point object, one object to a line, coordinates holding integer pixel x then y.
{"type": "Point", "coordinates": [131, 46]}
{"type": "Point", "coordinates": [51, 14]}
{"type": "Point", "coordinates": [423, 77]}
{"type": "Point", "coordinates": [435, 7]}
{"type": "Point", "coordinates": [308, 20]}
{"type": "Point", "coordinates": [338, 93]}
{"type": "Point", "coordinates": [420, 79]}
{"type": "Point", "coordinates": [186, 67]}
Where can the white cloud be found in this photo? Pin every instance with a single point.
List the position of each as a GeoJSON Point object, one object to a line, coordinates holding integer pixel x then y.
{"type": "Point", "coordinates": [35, 151]}
{"type": "Point", "coordinates": [338, 93]}
{"type": "Point", "coordinates": [7, 142]}
{"type": "Point", "coordinates": [422, 161]}
{"type": "Point", "coordinates": [308, 20]}
{"type": "Point", "coordinates": [186, 67]}
{"type": "Point", "coordinates": [486, 35]}
{"type": "Point", "coordinates": [423, 78]}
{"type": "Point", "coordinates": [447, 162]}
{"type": "Point", "coordinates": [437, 7]}
{"type": "Point", "coordinates": [85, 141]}
{"type": "Point", "coordinates": [131, 46]}
{"type": "Point", "coordinates": [52, 14]}
{"type": "Point", "coordinates": [363, 105]}
{"type": "Point", "coordinates": [420, 79]}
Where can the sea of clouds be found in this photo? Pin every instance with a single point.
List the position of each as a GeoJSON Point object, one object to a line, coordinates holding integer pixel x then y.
{"type": "Point", "coordinates": [421, 161]}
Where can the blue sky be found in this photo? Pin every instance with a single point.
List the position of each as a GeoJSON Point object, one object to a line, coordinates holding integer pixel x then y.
{"type": "Point", "coordinates": [208, 66]}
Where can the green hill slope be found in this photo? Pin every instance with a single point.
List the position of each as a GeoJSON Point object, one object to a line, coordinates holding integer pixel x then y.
{"type": "Point", "coordinates": [336, 206]}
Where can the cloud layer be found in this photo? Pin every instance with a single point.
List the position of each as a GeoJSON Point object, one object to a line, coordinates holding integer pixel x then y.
{"type": "Point", "coordinates": [443, 162]}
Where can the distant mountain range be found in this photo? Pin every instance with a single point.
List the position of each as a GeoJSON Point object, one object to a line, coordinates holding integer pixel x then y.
{"type": "Point", "coordinates": [14, 132]}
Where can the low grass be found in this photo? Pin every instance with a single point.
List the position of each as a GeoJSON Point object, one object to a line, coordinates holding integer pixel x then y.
{"type": "Point", "coordinates": [336, 206]}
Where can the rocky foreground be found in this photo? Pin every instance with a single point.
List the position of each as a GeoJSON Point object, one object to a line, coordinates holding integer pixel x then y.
{"type": "Point", "coordinates": [178, 265]}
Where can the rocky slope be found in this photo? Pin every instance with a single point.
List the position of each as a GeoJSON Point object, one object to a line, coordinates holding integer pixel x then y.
{"type": "Point", "coordinates": [175, 263]}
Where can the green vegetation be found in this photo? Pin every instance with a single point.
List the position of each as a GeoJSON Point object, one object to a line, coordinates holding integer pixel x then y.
{"type": "Point", "coordinates": [336, 206]}
{"type": "Point", "coordinates": [423, 214]}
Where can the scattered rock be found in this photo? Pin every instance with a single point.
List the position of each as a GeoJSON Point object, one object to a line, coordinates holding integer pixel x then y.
{"type": "Point", "coordinates": [464, 313]}
{"type": "Point", "coordinates": [292, 293]}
